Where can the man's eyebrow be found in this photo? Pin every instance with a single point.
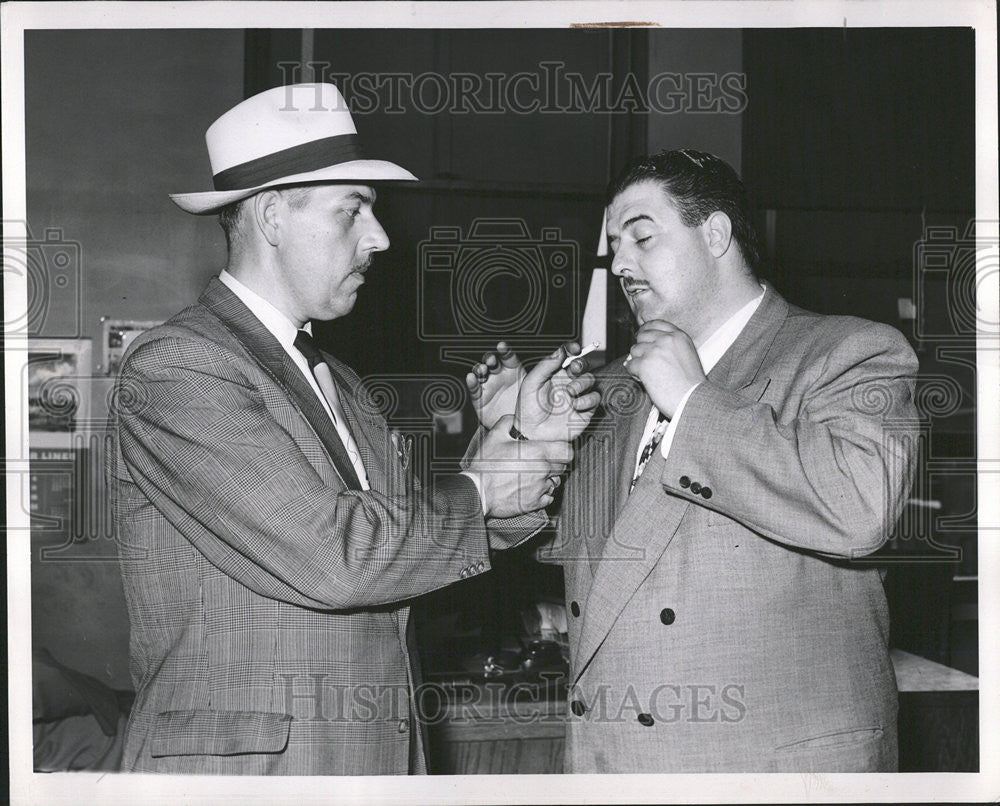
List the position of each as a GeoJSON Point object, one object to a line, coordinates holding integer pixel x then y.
{"type": "Point", "coordinates": [629, 223]}
{"type": "Point", "coordinates": [633, 219]}
{"type": "Point", "coordinates": [362, 196]}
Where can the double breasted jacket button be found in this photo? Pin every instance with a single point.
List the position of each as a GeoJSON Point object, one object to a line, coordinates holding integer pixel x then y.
{"type": "Point", "coordinates": [667, 616]}
{"type": "Point", "coordinates": [684, 481]}
{"type": "Point", "coordinates": [577, 707]}
{"type": "Point", "coordinates": [404, 726]}
{"type": "Point", "coordinates": [574, 608]}
{"type": "Point", "coordinates": [695, 487]}
{"type": "Point", "coordinates": [706, 492]}
{"type": "Point", "coordinates": [645, 719]}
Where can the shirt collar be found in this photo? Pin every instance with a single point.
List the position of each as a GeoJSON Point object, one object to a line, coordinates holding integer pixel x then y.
{"type": "Point", "coordinates": [282, 328]}
{"type": "Point", "coordinates": [715, 346]}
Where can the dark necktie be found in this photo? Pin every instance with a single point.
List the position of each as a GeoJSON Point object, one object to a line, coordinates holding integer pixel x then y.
{"type": "Point", "coordinates": [647, 451]}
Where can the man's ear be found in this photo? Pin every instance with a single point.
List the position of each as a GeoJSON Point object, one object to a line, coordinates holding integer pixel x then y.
{"type": "Point", "coordinates": [266, 213]}
{"type": "Point", "coordinates": [718, 231]}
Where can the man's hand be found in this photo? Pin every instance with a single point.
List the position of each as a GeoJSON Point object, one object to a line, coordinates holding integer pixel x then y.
{"type": "Point", "coordinates": [665, 361]}
{"type": "Point", "coordinates": [493, 384]}
{"type": "Point", "coordinates": [554, 403]}
{"type": "Point", "coordinates": [517, 476]}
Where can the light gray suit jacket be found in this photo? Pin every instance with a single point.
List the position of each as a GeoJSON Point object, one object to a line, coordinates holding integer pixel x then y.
{"type": "Point", "coordinates": [266, 591]}
{"type": "Point", "coordinates": [722, 616]}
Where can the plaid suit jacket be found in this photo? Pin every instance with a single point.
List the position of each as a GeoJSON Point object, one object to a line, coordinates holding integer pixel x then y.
{"type": "Point", "coordinates": [266, 592]}
{"type": "Point", "coordinates": [722, 616]}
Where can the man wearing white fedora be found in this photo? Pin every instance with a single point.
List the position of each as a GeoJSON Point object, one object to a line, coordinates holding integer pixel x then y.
{"type": "Point", "coordinates": [269, 530]}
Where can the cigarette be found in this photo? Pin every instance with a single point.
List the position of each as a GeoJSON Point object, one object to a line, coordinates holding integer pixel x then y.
{"type": "Point", "coordinates": [594, 345]}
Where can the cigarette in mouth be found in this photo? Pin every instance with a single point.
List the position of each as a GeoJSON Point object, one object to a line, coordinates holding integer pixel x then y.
{"type": "Point", "coordinates": [594, 345]}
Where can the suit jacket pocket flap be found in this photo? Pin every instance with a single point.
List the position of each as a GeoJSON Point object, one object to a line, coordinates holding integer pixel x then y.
{"type": "Point", "coordinates": [218, 733]}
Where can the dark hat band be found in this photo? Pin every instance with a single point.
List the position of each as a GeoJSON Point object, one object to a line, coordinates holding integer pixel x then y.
{"type": "Point", "coordinates": [299, 159]}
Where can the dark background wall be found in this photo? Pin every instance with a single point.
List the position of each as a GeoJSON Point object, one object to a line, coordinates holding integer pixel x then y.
{"type": "Point", "coordinates": [848, 170]}
{"type": "Point", "coordinates": [115, 121]}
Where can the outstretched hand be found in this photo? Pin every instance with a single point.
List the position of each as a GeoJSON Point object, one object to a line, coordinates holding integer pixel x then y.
{"type": "Point", "coordinates": [514, 476]}
{"type": "Point", "coordinates": [493, 385]}
{"type": "Point", "coordinates": [554, 403]}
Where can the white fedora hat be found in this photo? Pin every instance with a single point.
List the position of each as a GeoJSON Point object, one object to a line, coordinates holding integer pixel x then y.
{"type": "Point", "coordinates": [284, 136]}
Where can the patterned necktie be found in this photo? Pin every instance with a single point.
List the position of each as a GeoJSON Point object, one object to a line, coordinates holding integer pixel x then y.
{"type": "Point", "coordinates": [324, 379]}
{"type": "Point", "coordinates": [647, 451]}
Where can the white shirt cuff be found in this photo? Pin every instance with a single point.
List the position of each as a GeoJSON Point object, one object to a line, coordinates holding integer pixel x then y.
{"type": "Point", "coordinates": [479, 487]}
{"type": "Point", "coordinates": [668, 435]}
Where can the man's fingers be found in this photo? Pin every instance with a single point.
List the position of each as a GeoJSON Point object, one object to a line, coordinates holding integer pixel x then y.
{"type": "Point", "coordinates": [661, 325]}
{"type": "Point", "coordinates": [653, 336]}
{"type": "Point", "coordinates": [558, 452]}
{"type": "Point", "coordinates": [587, 402]}
{"type": "Point", "coordinates": [508, 357]}
{"type": "Point", "coordinates": [546, 368]}
{"type": "Point", "coordinates": [580, 384]}
{"type": "Point", "coordinates": [638, 350]}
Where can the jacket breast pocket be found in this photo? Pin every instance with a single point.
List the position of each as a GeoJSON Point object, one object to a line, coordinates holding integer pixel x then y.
{"type": "Point", "coordinates": [218, 733]}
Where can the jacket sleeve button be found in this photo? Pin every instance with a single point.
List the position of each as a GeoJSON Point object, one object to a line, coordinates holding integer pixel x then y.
{"type": "Point", "coordinates": [706, 492]}
{"type": "Point", "coordinates": [695, 487]}
{"type": "Point", "coordinates": [685, 482]}
{"type": "Point", "coordinates": [574, 608]}
{"type": "Point", "coordinates": [646, 720]}
{"type": "Point", "coordinates": [577, 707]}
{"type": "Point", "coordinates": [667, 616]}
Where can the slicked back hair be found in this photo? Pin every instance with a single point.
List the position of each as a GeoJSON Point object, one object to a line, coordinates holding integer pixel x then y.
{"type": "Point", "coordinates": [698, 185]}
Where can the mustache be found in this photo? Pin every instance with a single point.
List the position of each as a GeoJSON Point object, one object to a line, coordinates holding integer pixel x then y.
{"type": "Point", "coordinates": [364, 265]}
{"type": "Point", "coordinates": [628, 284]}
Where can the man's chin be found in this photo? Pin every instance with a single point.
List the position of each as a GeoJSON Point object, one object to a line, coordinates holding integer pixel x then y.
{"type": "Point", "coordinates": [642, 308]}
{"type": "Point", "coordinates": [340, 308]}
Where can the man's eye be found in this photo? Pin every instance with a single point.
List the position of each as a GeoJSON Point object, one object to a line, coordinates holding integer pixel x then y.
{"type": "Point", "coordinates": [643, 239]}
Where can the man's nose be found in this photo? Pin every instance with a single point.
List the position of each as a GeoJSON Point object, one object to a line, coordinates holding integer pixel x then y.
{"type": "Point", "coordinates": [620, 262]}
{"type": "Point", "coordinates": [376, 240]}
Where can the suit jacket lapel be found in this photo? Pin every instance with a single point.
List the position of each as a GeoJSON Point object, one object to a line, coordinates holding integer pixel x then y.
{"type": "Point", "coordinates": [368, 427]}
{"type": "Point", "coordinates": [265, 349]}
{"type": "Point", "coordinates": [647, 520]}
{"type": "Point", "coordinates": [740, 365]}
{"type": "Point", "coordinates": [616, 435]}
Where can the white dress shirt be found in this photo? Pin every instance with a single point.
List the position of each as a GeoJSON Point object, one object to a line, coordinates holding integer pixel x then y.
{"type": "Point", "coordinates": [284, 330]}
{"type": "Point", "coordinates": [709, 353]}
